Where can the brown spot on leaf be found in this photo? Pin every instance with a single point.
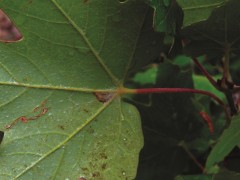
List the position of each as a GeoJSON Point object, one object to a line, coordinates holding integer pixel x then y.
{"type": "Point", "coordinates": [103, 96]}
{"type": "Point", "coordinates": [90, 130]}
{"type": "Point", "coordinates": [82, 178]}
{"type": "Point", "coordinates": [1, 136]}
{"type": "Point", "coordinates": [61, 127]}
{"type": "Point", "coordinates": [104, 166]}
{"type": "Point", "coordinates": [42, 110]}
{"type": "Point", "coordinates": [85, 110]}
{"type": "Point", "coordinates": [84, 169]}
{"type": "Point", "coordinates": [96, 174]}
{"type": "Point", "coordinates": [103, 156]}
{"type": "Point", "coordinates": [8, 31]}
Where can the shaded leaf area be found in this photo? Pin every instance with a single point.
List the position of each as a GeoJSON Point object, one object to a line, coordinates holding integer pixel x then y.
{"type": "Point", "coordinates": [222, 175]}
{"type": "Point", "coordinates": [196, 11]}
{"type": "Point", "coordinates": [231, 162]}
{"type": "Point", "coordinates": [149, 46]}
{"type": "Point", "coordinates": [228, 140]}
{"type": "Point", "coordinates": [225, 174]}
{"type": "Point", "coordinates": [218, 35]}
{"type": "Point", "coordinates": [234, 69]}
{"type": "Point", "coordinates": [148, 77]}
{"type": "Point", "coordinates": [168, 120]}
{"type": "Point", "coordinates": [70, 50]}
{"type": "Point", "coordinates": [194, 177]}
{"type": "Point", "coordinates": [168, 15]}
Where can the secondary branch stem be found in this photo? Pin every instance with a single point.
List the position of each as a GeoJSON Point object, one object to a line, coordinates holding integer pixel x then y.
{"type": "Point", "coordinates": [203, 70]}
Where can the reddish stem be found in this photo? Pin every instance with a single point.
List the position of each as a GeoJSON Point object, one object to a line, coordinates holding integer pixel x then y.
{"type": "Point", "coordinates": [184, 146]}
{"type": "Point", "coordinates": [208, 120]}
{"type": "Point", "coordinates": [179, 90]}
{"type": "Point", "coordinates": [205, 73]}
{"type": "Point", "coordinates": [174, 90]}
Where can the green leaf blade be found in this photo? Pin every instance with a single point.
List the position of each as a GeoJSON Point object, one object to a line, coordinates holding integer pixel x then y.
{"type": "Point", "coordinates": [228, 140]}
{"type": "Point", "coordinates": [201, 10]}
{"type": "Point", "coordinates": [69, 50]}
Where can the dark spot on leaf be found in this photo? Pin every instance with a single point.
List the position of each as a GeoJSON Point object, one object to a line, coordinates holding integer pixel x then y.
{"type": "Point", "coordinates": [103, 96]}
{"type": "Point", "coordinates": [96, 174]}
{"type": "Point", "coordinates": [1, 136]}
{"type": "Point", "coordinates": [8, 31]}
{"type": "Point", "coordinates": [86, 1]}
{"type": "Point", "coordinates": [84, 169]}
{"type": "Point", "coordinates": [61, 127]}
{"type": "Point", "coordinates": [26, 79]}
{"type": "Point", "coordinates": [90, 130]}
{"type": "Point", "coordinates": [92, 164]}
{"type": "Point", "coordinates": [85, 110]}
{"type": "Point", "coordinates": [103, 156]}
{"type": "Point", "coordinates": [104, 166]}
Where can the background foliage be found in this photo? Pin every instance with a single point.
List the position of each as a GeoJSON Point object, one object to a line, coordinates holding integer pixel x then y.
{"type": "Point", "coordinates": [171, 124]}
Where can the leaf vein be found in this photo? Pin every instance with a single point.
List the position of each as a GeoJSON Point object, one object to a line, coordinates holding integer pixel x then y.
{"type": "Point", "coordinates": [83, 35]}
{"type": "Point", "coordinates": [203, 6]}
{"type": "Point", "coordinates": [9, 72]}
{"type": "Point", "coordinates": [68, 138]}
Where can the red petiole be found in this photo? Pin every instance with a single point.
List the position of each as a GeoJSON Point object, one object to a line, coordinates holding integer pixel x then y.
{"type": "Point", "coordinates": [170, 90]}
{"type": "Point", "coordinates": [174, 90]}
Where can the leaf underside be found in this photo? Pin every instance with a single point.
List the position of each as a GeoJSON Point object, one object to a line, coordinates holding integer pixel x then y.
{"type": "Point", "coordinates": [69, 50]}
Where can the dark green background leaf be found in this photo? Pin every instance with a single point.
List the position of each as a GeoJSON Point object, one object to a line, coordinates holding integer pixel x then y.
{"type": "Point", "coordinates": [194, 177]}
{"type": "Point", "coordinates": [168, 15]}
{"type": "Point", "coordinates": [169, 120]}
{"type": "Point", "coordinates": [218, 35]}
{"type": "Point", "coordinates": [196, 11]}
